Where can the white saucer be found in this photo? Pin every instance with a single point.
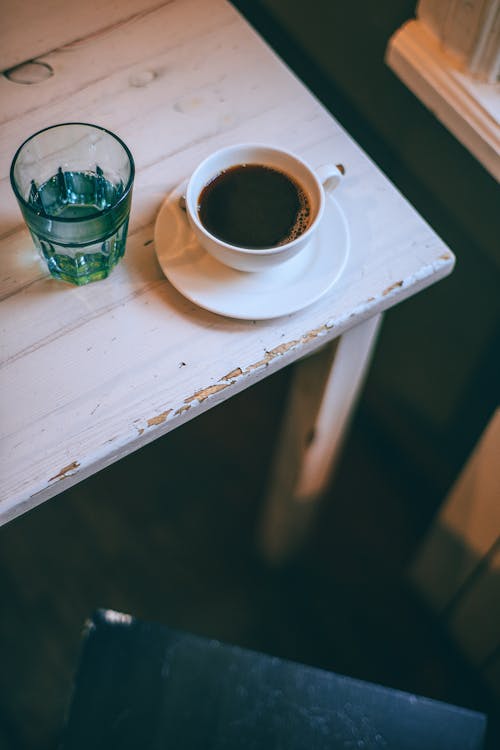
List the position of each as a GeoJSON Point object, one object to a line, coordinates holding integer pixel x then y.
{"type": "Point", "coordinates": [285, 289]}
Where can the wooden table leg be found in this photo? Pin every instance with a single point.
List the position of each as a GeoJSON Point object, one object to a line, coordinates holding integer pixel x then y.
{"type": "Point", "coordinates": [324, 390]}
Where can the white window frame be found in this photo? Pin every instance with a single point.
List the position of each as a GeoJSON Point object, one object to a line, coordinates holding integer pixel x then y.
{"type": "Point", "coordinates": [449, 56]}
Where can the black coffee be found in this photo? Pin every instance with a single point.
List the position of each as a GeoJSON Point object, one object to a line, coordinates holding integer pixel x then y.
{"type": "Point", "coordinates": [254, 206]}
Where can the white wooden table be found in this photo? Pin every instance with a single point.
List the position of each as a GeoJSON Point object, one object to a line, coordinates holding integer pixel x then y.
{"type": "Point", "coordinates": [90, 374]}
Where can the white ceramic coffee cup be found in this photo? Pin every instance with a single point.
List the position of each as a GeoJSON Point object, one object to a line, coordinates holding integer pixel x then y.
{"type": "Point", "coordinates": [314, 182]}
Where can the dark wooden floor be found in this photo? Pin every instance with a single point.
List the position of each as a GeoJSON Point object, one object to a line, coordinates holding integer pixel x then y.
{"type": "Point", "coordinates": [168, 535]}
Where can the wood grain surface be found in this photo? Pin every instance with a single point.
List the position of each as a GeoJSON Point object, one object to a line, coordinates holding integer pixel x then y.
{"type": "Point", "coordinates": [88, 375]}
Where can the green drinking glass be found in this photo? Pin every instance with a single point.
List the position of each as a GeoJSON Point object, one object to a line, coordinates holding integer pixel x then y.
{"type": "Point", "coordinates": [73, 183]}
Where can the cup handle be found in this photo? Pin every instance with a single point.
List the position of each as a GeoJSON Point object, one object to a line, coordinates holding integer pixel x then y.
{"type": "Point", "coordinates": [330, 176]}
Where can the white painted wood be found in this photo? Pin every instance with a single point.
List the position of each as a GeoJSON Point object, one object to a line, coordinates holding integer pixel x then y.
{"type": "Point", "coordinates": [462, 26]}
{"type": "Point", "coordinates": [341, 390]}
{"type": "Point", "coordinates": [285, 520]}
{"type": "Point", "coordinates": [484, 58]}
{"type": "Point", "coordinates": [323, 394]}
{"type": "Point", "coordinates": [469, 109]}
{"type": "Point", "coordinates": [434, 14]}
{"type": "Point", "coordinates": [89, 374]}
{"type": "Point", "coordinates": [466, 528]}
{"type": "Point", "coordinates": [468, 30]}
{"type": "Point", "coordinates": [457, 570]}
{"type": "Point", "coordinates": [33, 28]}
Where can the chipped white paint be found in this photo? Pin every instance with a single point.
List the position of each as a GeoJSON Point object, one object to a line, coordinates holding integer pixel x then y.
{"type": "Point", "coordinates": [89, 375]}
{"type": "Point", "coordinates": [324, 390]}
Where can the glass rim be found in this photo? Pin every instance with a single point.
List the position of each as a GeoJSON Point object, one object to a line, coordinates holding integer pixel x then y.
{"type": "Point", "coordinates": [89, 216]}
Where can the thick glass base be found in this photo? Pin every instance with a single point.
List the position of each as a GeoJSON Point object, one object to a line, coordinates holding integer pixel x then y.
{"type": "Point", "coordinates": [83, 265]}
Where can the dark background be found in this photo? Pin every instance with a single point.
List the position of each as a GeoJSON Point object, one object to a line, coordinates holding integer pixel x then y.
{"type": "Point", "coordinates": [168, 533]}
{"type": "Point", "coordinates": [434, 381]}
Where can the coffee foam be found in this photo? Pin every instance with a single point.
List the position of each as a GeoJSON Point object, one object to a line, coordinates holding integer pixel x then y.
{"type": "Point", "coordinates": [303, 219]}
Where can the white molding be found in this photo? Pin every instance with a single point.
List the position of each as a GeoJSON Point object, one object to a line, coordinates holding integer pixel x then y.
{"type": "Point", "coordinates": [470, 29]}
{"type": "Point", "coordinates": [468, 108]}
{"type": "Point", "coordinates": [484, 60]}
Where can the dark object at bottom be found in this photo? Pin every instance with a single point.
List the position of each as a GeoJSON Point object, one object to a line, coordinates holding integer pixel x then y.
{"type": "Point", "coordinates": [142, 685]}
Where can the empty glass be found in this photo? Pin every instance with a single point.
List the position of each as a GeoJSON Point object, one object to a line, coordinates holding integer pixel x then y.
{"type": "Point", "coordinates": [73, 183]}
